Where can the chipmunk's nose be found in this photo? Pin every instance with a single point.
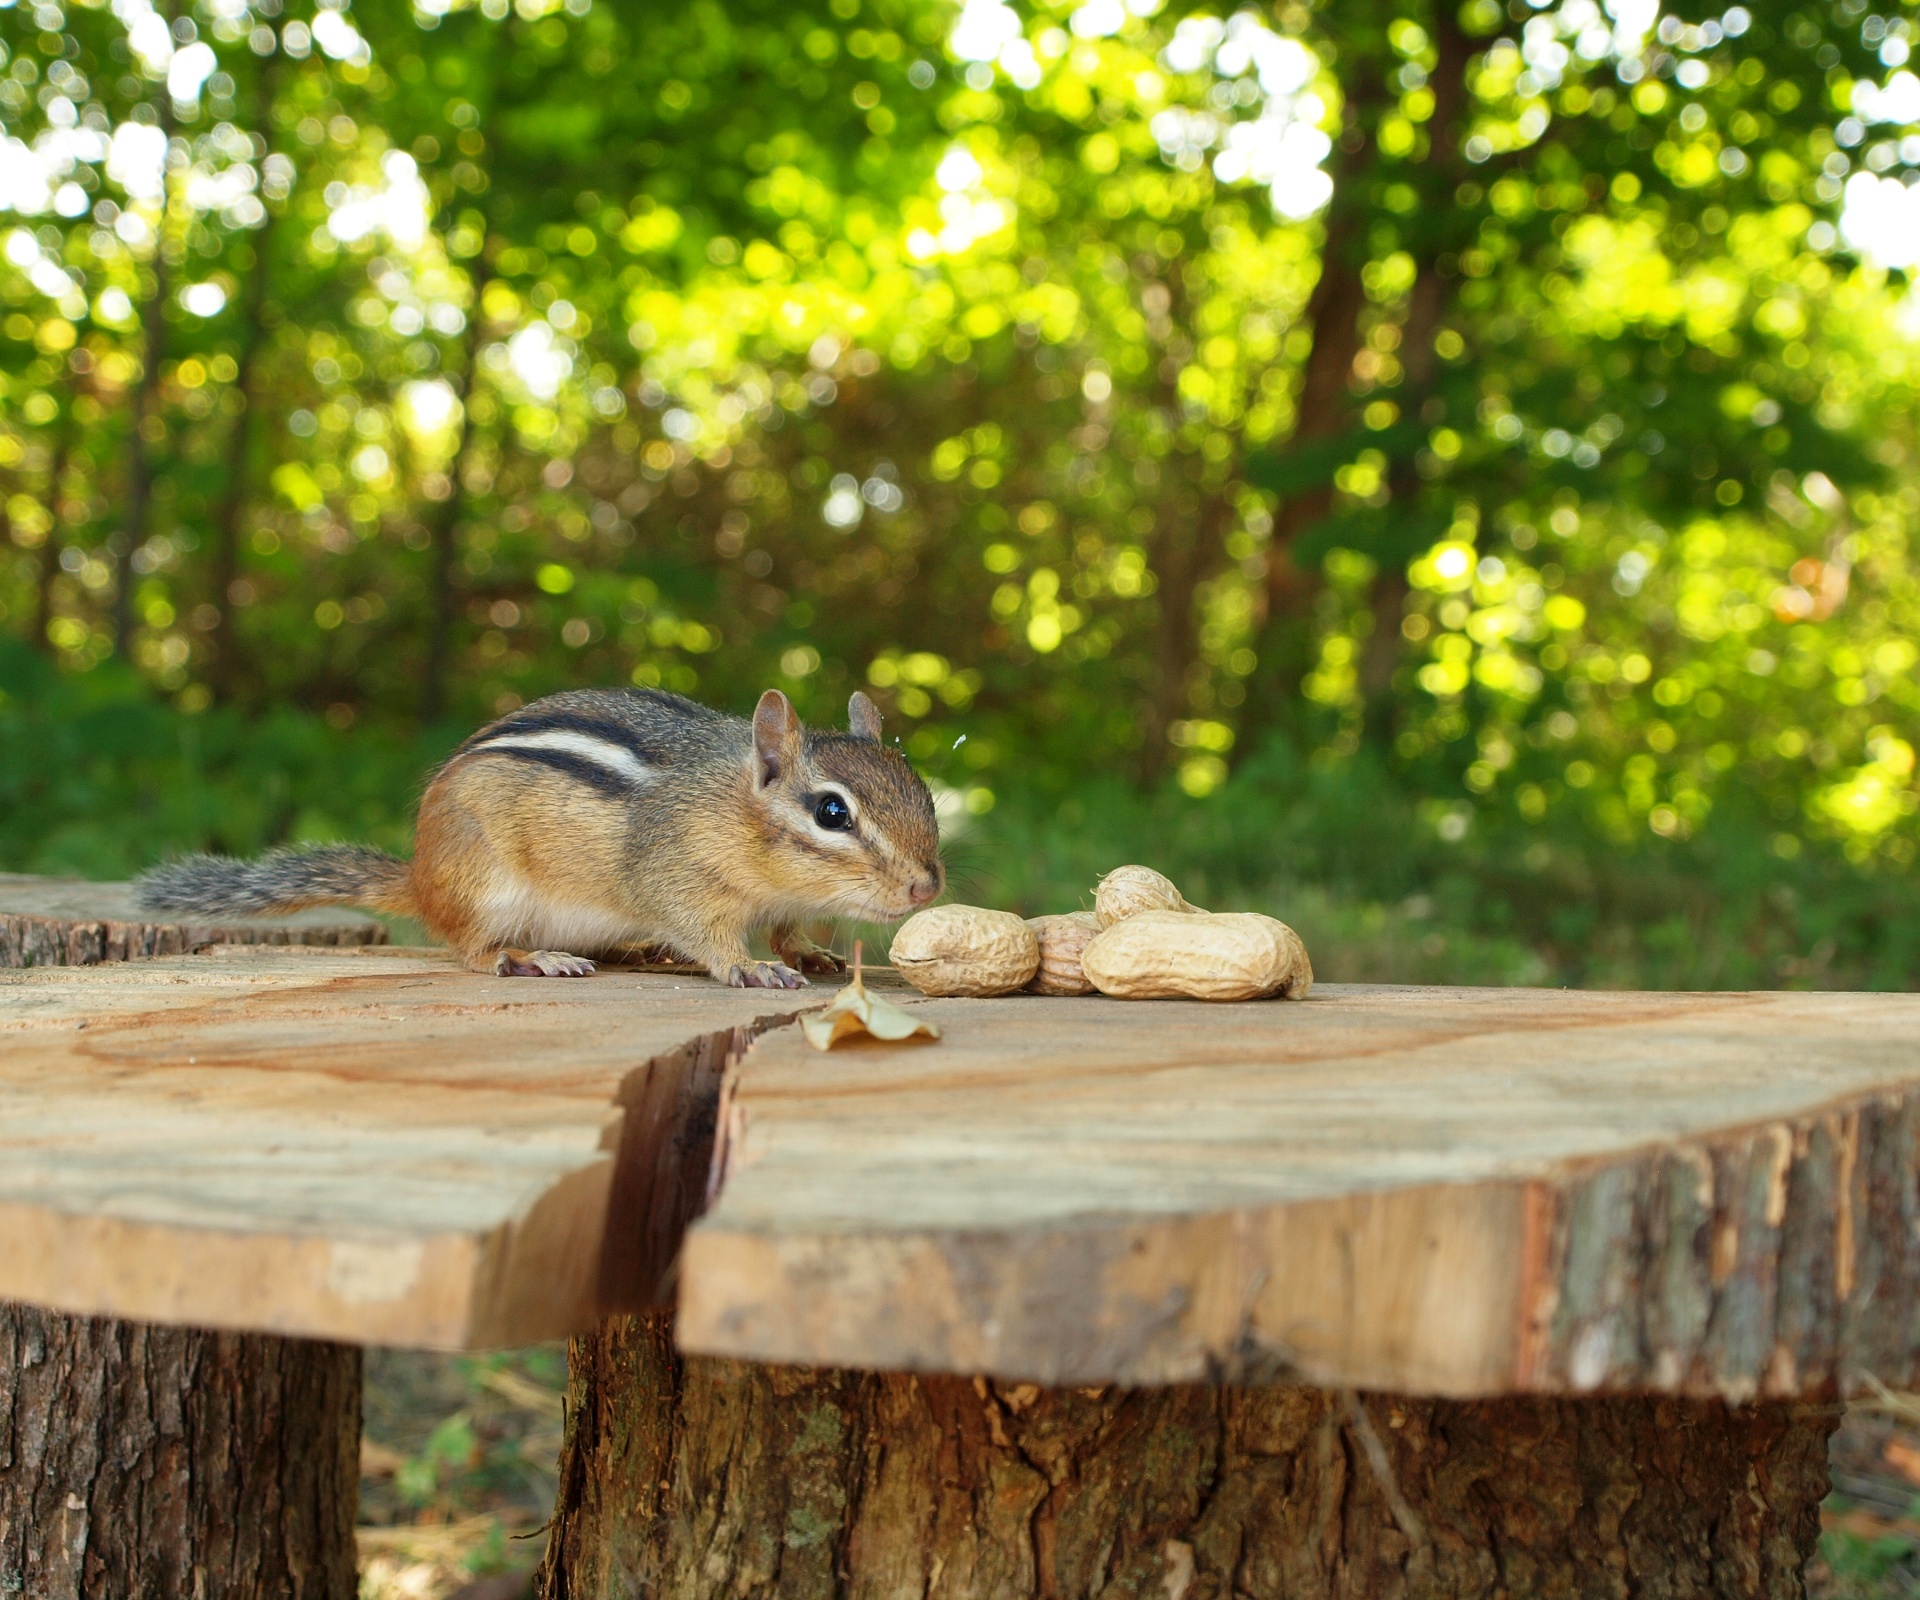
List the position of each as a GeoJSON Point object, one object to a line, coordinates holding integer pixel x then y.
{"type": "Point", "coordinates": [924, 889]}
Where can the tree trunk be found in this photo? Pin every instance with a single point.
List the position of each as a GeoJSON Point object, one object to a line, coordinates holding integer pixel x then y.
{"type": "Point", "coordinates": [145, 417]}
{"type": "Point", "coordinates": [55, 922]}
{"type": "Point", "coordinates": [1427, 307]}
{"type": "Point", "coordinates": [46, 557]}
{"type": "Point", "coordinates": [1187, 555]}
{"type": "Point", "coordinates": [227, 524]}
{"type": "Point", "coordinates": [702, 1477]}
{"type": "Point", "coordinates": [443, 522]}
{"type": "Point", "coordinates": [163, 1462]}
{"type": "Point", "coordinates": [159, 1462]}
{"type": "Point", "coordinates": [1283, 644]}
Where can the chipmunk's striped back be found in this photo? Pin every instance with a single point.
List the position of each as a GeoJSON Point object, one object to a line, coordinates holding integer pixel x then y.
{"type": "Point", "coordinates": [612, 740]}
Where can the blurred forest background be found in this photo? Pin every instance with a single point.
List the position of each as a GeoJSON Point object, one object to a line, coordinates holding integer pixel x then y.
{"type": "Point", "coordinates": [1445, 473]}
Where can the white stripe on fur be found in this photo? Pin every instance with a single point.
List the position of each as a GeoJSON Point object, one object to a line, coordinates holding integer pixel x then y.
{"type": "Point", "coordinates": [622, 762]}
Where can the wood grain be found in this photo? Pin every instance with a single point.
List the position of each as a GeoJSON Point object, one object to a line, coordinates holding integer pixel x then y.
{"type": "Point", "coordinates": [369, 1145]}
{"type": "Point", "coordinates": [1453, 1192]}
{"type": "Point", "coordinates": [67, 922]}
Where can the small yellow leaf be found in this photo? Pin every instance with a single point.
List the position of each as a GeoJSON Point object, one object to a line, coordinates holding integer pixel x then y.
{"type": "Point", "coordinates": [854, 1012]}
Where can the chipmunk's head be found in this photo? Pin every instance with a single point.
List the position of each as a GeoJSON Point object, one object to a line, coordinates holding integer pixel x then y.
{"type": "Point", "coordinates": [850, 828]}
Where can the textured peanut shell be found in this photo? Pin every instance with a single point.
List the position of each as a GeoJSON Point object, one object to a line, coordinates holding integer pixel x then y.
{"type": "Point", "coordinates": [965, 950]}
{"type": "Point", "coordinates": [1166, 955]}
{"type": "Point", "coordinates": [1062, 939]}
{"type": "Point", "coordinates": [1128, 891]}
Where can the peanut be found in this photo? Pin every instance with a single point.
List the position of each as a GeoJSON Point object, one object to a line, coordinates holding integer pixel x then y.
{"type": "Point", "coordinates": [1062, 939]}
{"type": "Point", "coordinates": [965, 950]}
{"type": "Point", "coordinates": [1128, 891]}
{"type": "Point", "coordinates": [1233, 955]}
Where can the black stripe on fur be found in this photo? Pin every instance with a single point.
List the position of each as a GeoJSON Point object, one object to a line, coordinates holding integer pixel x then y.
{"type": "Point", "coordinates": [581, 768]}
{"type": "Point", "coordinates": [617, 734]}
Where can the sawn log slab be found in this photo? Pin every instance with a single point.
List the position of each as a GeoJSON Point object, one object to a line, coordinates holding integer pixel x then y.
{"type": "Point", "coordinates": [368, 1145]}
{"type": "Point", "coordinates": [1451, 1192]}
{"type": "Point", "coordinates": [1464, 1192]}
{"type": "Point", "coordinates": [68, 922]}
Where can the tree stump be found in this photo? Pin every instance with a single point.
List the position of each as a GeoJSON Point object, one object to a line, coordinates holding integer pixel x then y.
{"type": "Point", "coordinates": [155, 1461]}
{"type": "Point", "coordinates": [67, 922]}
{"type": "Point", "coordinates": [690, 1478]}
{"type": "Point", "coordinates": [1626, 1248]}
{"type": "Point", "coordinates": [174, 1462]}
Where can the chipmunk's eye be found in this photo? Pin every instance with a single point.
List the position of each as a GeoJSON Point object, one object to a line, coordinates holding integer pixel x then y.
{"type": "Point", "coordinates": [832, 814]}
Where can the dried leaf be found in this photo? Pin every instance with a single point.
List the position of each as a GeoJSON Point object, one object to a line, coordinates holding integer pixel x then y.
{"type": "Point", "coordinates": [855, 1012]}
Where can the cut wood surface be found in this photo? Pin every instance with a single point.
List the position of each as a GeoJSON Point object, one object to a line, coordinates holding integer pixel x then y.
{"type": "Point", "coordinates": [1459, 1192]}
{"type": "Point", "coordinates": [370, 1145]}
{"type": "Point", "coordinates": [67, 922]}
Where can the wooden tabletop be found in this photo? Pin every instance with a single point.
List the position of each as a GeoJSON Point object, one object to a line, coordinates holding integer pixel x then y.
{"type": "Point", "coordinates": [1438, 1191]}
{"type": "Point", "coordinates": [371, 1145]}
{"type": "Point", "coordinates": [1466, 1191]}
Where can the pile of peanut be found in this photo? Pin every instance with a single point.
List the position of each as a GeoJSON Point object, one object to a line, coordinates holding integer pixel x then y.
{"type": "Point", "coordinates": [1141, 941]}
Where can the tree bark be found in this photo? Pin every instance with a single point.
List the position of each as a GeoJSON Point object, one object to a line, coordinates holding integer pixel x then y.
{"type": "Point", "coordinates": [686, 1478]}
{"type": "Point", "coordinates": [174, 1462]}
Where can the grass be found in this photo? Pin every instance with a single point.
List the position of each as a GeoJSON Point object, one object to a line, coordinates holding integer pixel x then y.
{"type": "Point", "coordinates": [457, 1464]}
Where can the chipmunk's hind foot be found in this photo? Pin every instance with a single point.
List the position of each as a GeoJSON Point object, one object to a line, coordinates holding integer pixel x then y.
{"type": "Point", "coordinates": [762, 975]}
{"type": "Point", "coordinates": [540, 964]}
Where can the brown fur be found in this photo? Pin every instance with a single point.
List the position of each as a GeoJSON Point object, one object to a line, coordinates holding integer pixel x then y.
{"type": "Point", "coordinates": [509, 855]}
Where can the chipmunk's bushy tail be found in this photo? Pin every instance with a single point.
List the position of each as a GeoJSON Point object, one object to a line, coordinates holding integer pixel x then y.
{"type": "Point", "coordinates": [281, 880]}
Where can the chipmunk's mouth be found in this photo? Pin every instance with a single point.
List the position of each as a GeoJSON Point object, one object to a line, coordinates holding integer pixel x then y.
{"type": "Point", "coordinates": [892, 909]}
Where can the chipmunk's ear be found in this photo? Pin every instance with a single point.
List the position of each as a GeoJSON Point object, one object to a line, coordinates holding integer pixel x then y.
{"type": "Point", "coordinates": [863, 718]}
{"type": "Point", "coordinates": [776, 738]}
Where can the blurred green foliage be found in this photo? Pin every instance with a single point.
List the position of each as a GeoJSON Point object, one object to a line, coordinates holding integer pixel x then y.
{"type": "Point", "coordinates": [1442, 471]}
{"type": "Point", "coordinates": [458, 1462]}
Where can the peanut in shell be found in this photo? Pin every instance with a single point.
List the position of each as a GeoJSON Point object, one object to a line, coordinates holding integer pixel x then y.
{"type": "Point", "coordinates": [965, 950]}
{"type": "Point", "coordinates": [1127, 891]}
{"type": "Point", "coordinates": [1166, 955]}
{"type": "Point", "coordinates": [1062, 940]}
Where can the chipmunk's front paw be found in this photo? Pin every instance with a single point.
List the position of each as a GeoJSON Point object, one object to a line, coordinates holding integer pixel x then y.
{"type": "Point", "coordinates": [764, 975]}
{"type": "Point", "coordinates": [541, 964]}
{"type": "Point", "coordinates": [812, 958]}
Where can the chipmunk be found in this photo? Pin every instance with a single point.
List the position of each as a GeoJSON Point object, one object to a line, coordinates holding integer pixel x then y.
{"type": "Point", "coordinates": [596, 819]}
